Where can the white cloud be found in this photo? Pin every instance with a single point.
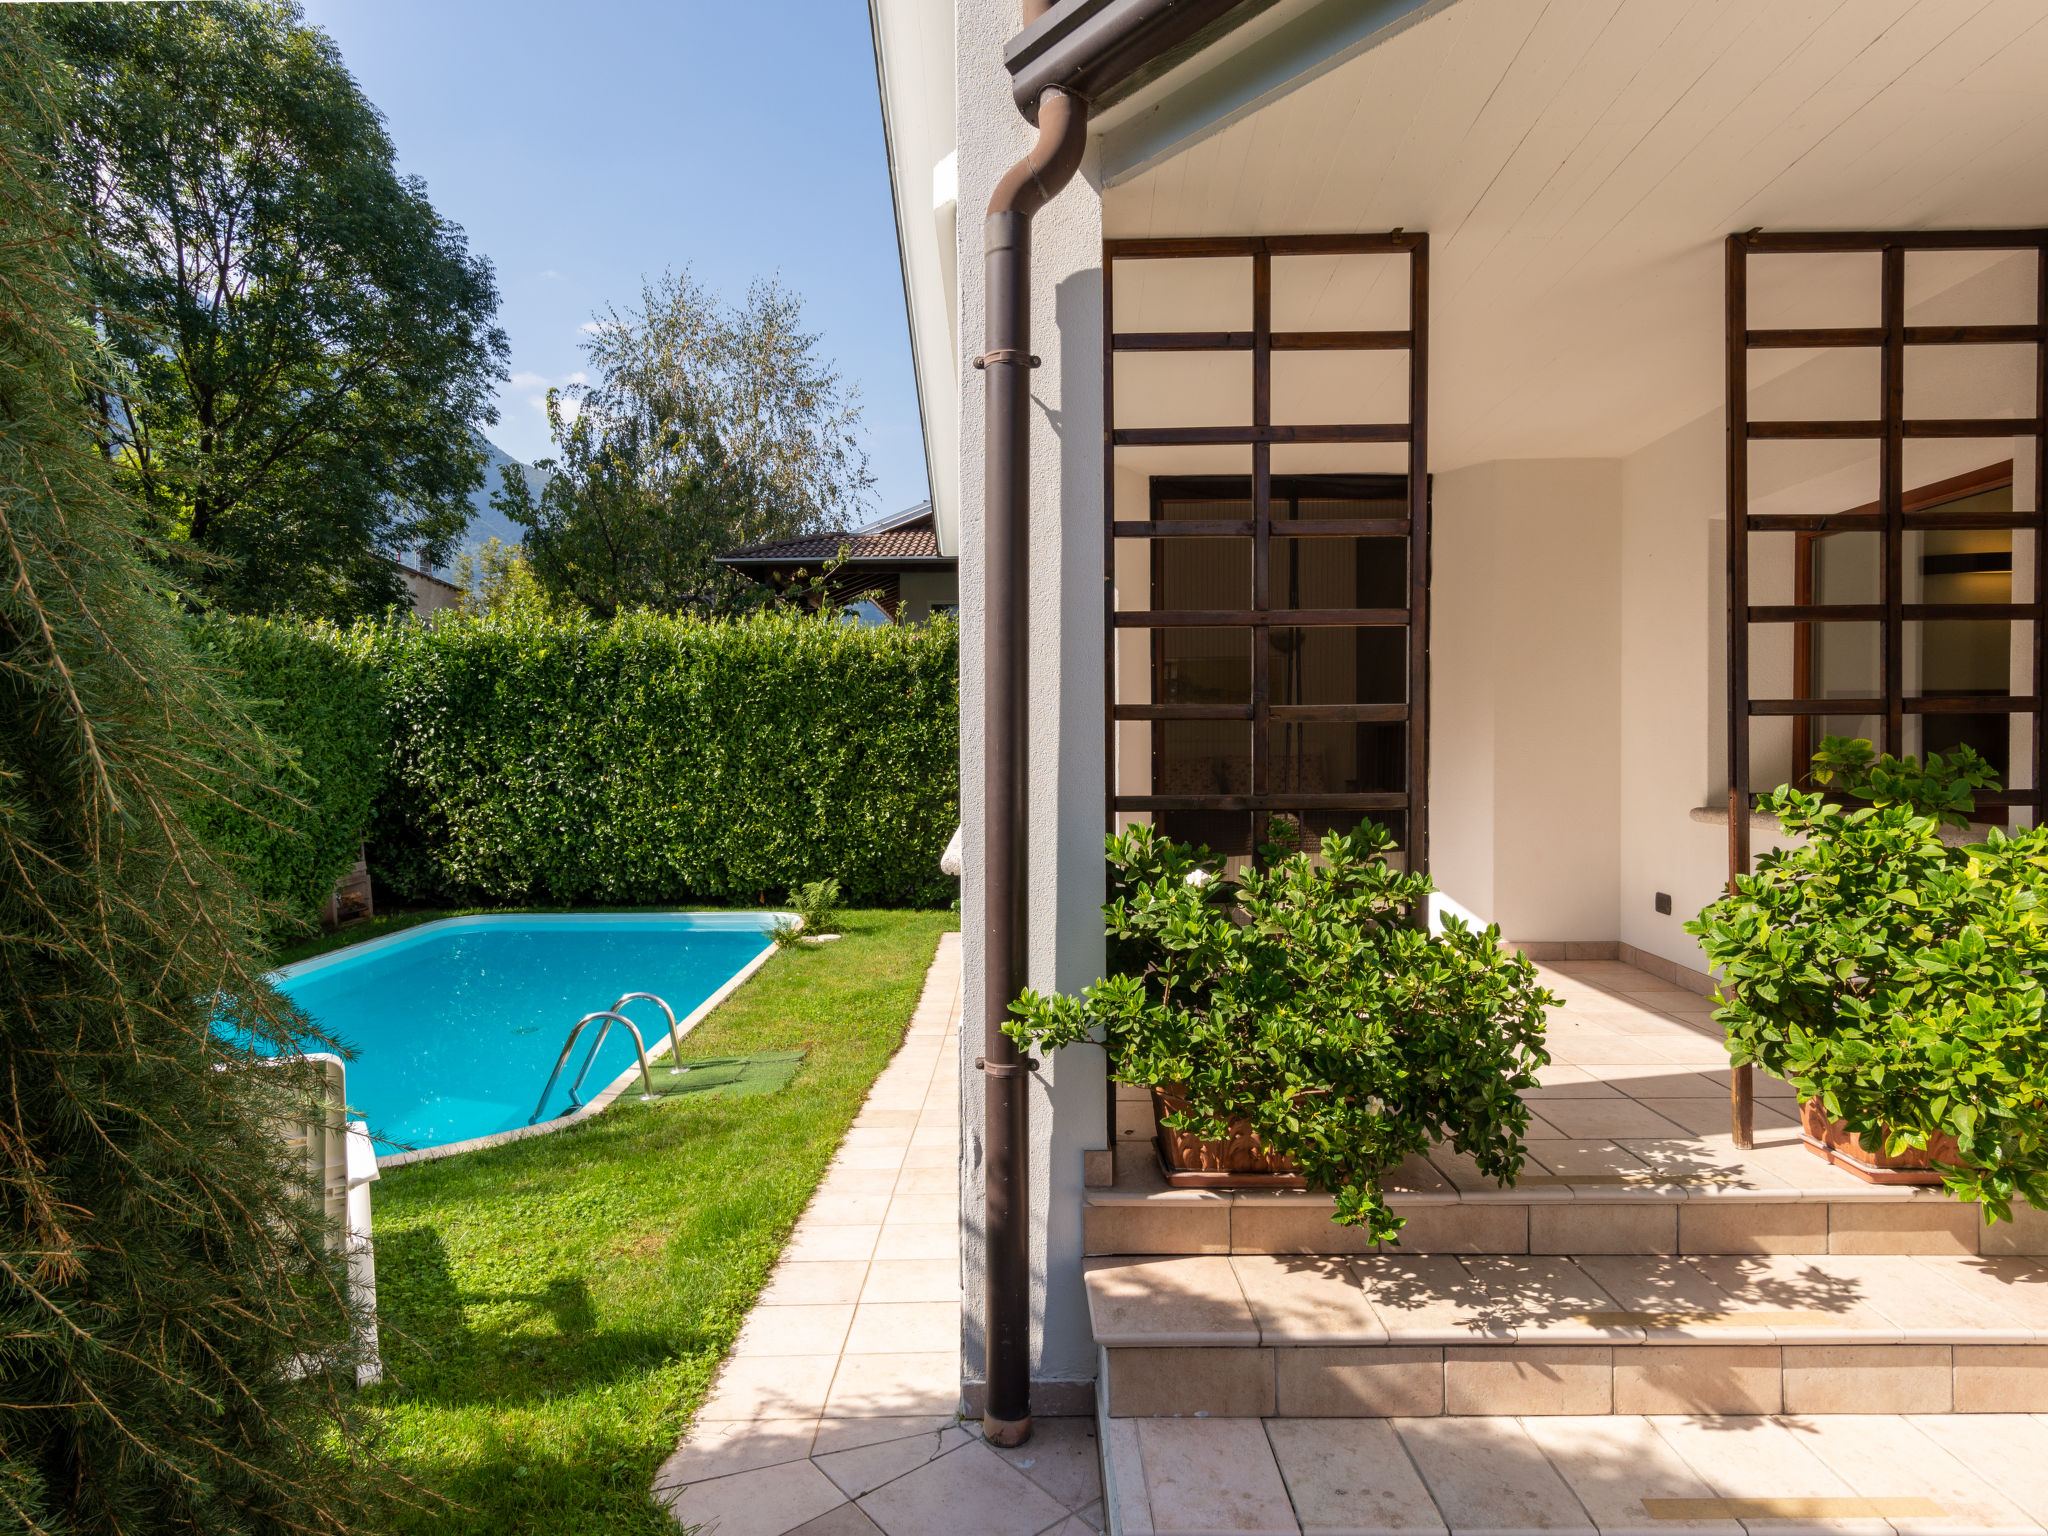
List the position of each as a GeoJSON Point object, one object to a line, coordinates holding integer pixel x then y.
{"type": "Point", "coordinates": [590, 327]}
{"type": "Point", "coordinates": [529, 381]}
{"type": "Point", "coordinates": [551, 272]}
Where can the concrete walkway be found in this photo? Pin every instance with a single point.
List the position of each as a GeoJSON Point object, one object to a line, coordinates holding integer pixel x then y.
{"type": "Point", "coordinates": [837, 1413]}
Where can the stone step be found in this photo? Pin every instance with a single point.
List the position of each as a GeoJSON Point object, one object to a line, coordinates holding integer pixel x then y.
{"type": "Point", "coordinates": [1618, 1476]}
{"type": "Point", "coordinates": [1380, 1336]}
{"type": "Point", "coordinates": [1574, 1197]}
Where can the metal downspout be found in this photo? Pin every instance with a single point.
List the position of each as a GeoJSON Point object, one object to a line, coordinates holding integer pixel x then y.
{"type": "Point", "coordinates": [1027, 187]}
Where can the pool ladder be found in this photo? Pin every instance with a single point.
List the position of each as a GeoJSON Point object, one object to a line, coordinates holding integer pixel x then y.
{"type": "Point", "coordinates": [612, 1016]}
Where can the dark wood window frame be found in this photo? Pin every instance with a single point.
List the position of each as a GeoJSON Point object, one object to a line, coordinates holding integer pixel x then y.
{"type": "Point", "coordinates": [1895, 512]}
{"type": "Point", "coordinates": [1262, 341]}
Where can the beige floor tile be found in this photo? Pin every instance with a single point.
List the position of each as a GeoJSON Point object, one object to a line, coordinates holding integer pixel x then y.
{"type": "Point", "coordinates": [1350, 1477]}
{"type": "Point", "coordinates": [1528, 1378]}
{"type": "Point", "coordinates": [1488, 1475]}
{"type": "Point", "coordinates": [1214, 1475]}
{"type": "Point", "coordinates": [868, 1158]}
{"type": "Point", "coordinates": [865, 1468]}
{"type": "Point", "coordinates": [1612, 1464]}
{"type": "Point", "coordinates": [922, 1240]}
{"type": "Point", "coordinates": [814, 1244]}
{"type": "Point", "coordinates": [920, 1209]}
{"type": "Point", "coordinates": [766, 1502]}
{"type": "Point", "coordinates": [1706, 1115]}
{"type": "Point", "coordinates": [1667, 1296]}
{"type": "Point", "coordinates": [912, 1280]}
{"type": "Point", "coordinates": [1185, 1300]}
{"type": "Point", "coordinates": [2015, 1288]}
{"type": "Point", "coordinates": [1607, 1118]}
{"type": "Point", "coordinates": [721, 1447]}
{"type": "Point", "coordinates": [795, 1330]}
{"type": "Point", "coordinates": [1915, 1226]}
{"type": "Point", "coordinates": [1887, 1458]}
{"type": "Point", "coordinates": [944, 1155]}
{"type": "Point", "coordinates": [1699, 1378]}
{"type": "Point", "coordinates": [1213, 1383]}
{"type": "Point", "coordinates": [1547, 1300]}
{"type": "Point", "coordinates": [1922, 1301]}
{"type": "Point", "coordinates": [851, 1434]}
{"type": "Point", "coordinates": [847, 1210]}
{"type": "Point", "coordinates": [875, 1386]}
{"type": "Point", "coordinates": [770, 1387]}
{"type": "Point", "coordinates": [1430, 1301]}
{"type": "Point", "coordinates": [904, 1327]}
{"type": "Point", "coordinates": [2007, 1450]}
{"type": "Point", "coordinates": [844, 1183]}
{"type": "Point", "coordinates": [1752, 1226]}
{"type": "Point", "coordinates": [1062, 1457]}
{"type": "Point", "coordinates": [1307, 1300]}
{"type": "Point", "coordinates": [1090, 1522]}
{"type": "Point", "coordinates": [1816, 1300]}
{"type": "Point", "coordinates": [1758, 1458]}
{"type": "Point", "coordinates": [1447, 1229]}
{"type": "Point", "coordinates": [814, 1284]}
{"type": "Point", "coordinates": [878, 1136]}
{"type": "Point", "coordinates": [1869, 1378]}
{"type": "Point", "coordinates": [967, 1489]}
{"type": "Point", "coordinates": [931, 1181]}
{"type": "Point", "coordinates": [1604, 1226]}
{"type": "Point", "coordinates": [1371, 1381]}
{"type": "Point", "coordinates": [1570, 1155]}
{"type": "Point", "coordinates": [2001, 1378]}
{"type": "Point", "coordinates": [846, 1520]}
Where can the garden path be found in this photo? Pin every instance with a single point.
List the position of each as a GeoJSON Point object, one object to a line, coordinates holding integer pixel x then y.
{"type": "Point", "coordinates": [836, 1414]}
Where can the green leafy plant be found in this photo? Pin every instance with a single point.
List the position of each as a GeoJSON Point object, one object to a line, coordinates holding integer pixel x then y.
{"type": "Point", "coordinates": [1894, 976]}
{"type": "Point", "coordinates": [1303, 999]}
{"type": "Point", "coordinates": [323, 708]}
{"type": "Point", "coordinates": [551, 758]}
{"type": "Point", "coordinates": [817, 907]}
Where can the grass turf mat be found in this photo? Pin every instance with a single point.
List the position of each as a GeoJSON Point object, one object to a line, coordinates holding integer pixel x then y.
{"type": "Point", "coordinates": [553, 1309]}
{"type": "Point", "coordinates": [730, 1077]}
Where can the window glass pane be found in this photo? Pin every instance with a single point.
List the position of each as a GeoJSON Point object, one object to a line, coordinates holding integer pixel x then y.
{"type": "Point", "coordinates": [1338, 573]}
{"type": "Point", "coordinates": [1201, 573]}
{"type": "Point", "coordinates": [1846, 568]}
{"type": "Point", "coordinates": [1339, 665]}
{"type": "Point", "coordinates": [1201, 757]}
{"type": "Point", "coordinates": [1957, 658]}
{"type": "Point", "coordinates": [1201, 666]}
{"type": "Point", "coordinates": [1319, 757]}
{"type": "Point", "coordinates": [1304, 830]}
{"type": "Point", "coordinates": [1958, 565]}
{"type": "Point", "coordinates": [1228, 833]}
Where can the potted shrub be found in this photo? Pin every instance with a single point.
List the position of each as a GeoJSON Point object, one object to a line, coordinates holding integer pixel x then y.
{"type": "Point", "coordinates": [1892, 975]}
{"type": "Point", "coordinates": [1298, 1016]}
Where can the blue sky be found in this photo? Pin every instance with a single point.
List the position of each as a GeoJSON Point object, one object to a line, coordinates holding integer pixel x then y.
{"type": "Point", "coordinates": [584, 146]}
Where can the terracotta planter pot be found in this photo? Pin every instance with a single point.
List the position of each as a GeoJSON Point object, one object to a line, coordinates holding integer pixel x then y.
{"type": "Point", "coordinates": [1833, 1142]}
{"type": "Point", "coordinates": [1242, 1162]}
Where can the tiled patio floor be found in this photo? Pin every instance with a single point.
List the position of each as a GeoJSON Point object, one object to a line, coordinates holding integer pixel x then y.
{"type": "Point", "coordinates": [837, 1413]}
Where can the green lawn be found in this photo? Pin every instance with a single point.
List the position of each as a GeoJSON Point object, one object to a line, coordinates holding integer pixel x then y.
{"type": "Point", "coordinates": [552, 1310]}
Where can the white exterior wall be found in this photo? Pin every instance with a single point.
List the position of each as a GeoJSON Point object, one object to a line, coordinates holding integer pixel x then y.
{"type": "Point", "coordinates": [1525, 664]}
{"type": "Point", "coordinates": [1068, 1096]}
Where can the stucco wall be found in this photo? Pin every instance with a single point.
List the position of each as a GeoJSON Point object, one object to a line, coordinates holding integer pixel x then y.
{"type": "Point", "coordinates": [1525, 662]}
{"type": "Point", "coordinates": [1068, 1112]}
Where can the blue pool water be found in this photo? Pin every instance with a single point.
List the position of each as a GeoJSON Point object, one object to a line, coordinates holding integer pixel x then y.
{"type": "Point", "coordinates": [457, 1023]}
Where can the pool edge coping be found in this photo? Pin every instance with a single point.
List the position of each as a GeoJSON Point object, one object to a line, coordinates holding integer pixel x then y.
{"type": "Point", "coordinates": [605, 1098]}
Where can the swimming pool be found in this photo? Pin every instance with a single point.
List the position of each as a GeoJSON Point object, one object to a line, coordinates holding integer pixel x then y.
{"type": "Point", "coordinates": [456, 1023]}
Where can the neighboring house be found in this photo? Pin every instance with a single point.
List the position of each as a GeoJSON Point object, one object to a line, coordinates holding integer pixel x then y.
{"type": "Point", "coordinates": [430, 593]}
{"type": "Point", "coordinates": [895, 563]}
{"type": "Point", "coordinates": [1389, 375]}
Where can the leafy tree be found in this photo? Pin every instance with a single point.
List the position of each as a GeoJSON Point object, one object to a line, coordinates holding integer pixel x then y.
{"type": "Point", "coordinates": [709, 428]}
{"type": "Point", "coordinates": [159, 1277]}
{"type": "Point", "coordinates": [310, 345]}
{"type": "Point", "coordinates": [497, 580]}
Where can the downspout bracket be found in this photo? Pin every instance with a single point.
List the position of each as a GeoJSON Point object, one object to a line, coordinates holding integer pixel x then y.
{"type": "Point", "coordinates": [1006, 355]}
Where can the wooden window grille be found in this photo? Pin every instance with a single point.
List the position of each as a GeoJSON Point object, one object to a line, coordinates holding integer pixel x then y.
{"type": "Point", "coordinates": [1277, 517]}
{"type": "Point", "coordinates": [1900, 508]}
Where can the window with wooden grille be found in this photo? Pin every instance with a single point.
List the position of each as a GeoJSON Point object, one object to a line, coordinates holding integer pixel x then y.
{"type": "Point", "coordinates": [1886, 405]}
{"type": "Point", "coordinates": [1267, 549]}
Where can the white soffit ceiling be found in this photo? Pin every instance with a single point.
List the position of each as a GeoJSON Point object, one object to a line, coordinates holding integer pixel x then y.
{"type": "Point", "coordinates": [1578, 163]}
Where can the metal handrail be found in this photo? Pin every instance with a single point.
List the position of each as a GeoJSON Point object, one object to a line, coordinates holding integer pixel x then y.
{"type": "Point", "coordinates": [610, 1016]}
{"type": "Point", "coordinates": [675, 1040]}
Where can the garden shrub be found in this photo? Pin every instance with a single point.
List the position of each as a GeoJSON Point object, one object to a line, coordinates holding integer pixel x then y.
{"type": "Point", "coordinates": [538, 758]}
{"type": "Point", "coordinates": [1303, 999]}
{"type": "Point", "coordinates": [1894, 976]}
{"type": "Point", "coordinates": [318, 701]}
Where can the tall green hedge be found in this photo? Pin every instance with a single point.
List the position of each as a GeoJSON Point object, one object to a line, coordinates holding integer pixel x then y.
{"type": "Point", "coordinates": [654, 759]}
{"type": "Point", "coordinates": [319, 700]}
